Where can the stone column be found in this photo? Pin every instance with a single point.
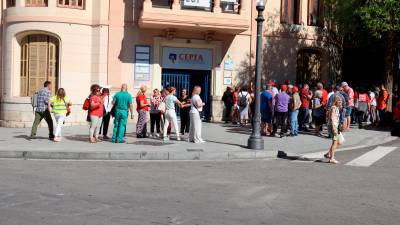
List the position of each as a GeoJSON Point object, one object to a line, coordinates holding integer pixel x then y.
{"type": "Point", "coordinates": [176, 5]}
{"type": "Point", "coordinates": [147, 4]}
{"type": "Point", "coordinates": [217, 6]}
{"type": "Point", "coordinates": [243, 6]}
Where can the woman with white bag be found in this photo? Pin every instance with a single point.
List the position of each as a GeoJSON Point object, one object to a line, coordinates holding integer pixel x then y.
{"type": "Point", "coordinates": [333, 126]}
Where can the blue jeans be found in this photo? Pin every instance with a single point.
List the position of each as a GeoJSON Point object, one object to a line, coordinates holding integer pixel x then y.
{"type": "Point", "coordinates": [294, 125]}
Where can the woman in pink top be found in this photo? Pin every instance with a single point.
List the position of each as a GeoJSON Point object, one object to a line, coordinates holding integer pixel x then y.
{"type": "Point", "coordinates": [96, 112]}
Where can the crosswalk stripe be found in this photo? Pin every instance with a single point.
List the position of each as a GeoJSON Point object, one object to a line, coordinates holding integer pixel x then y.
{"type": "Point", "coordinates": [371, 157]}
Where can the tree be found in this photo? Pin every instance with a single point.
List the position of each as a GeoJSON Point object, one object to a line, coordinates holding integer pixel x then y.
{"type": "Point", "coordinates": [360, 21]}
{"type": "Point", "coordinates": [382, 19]}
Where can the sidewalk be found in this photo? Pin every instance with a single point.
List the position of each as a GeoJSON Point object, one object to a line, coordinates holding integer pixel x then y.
{"type": "Point", "coordinates": [224, 142]}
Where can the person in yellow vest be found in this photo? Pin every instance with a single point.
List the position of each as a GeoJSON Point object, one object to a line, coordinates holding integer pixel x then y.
{"type": "Point", "coordinates": [59, 106]}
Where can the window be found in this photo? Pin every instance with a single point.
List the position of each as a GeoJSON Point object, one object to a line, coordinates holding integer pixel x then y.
{"type": "Point", "coordinates": [75, 4]}
{"type": "Point", "coordinates": [315, 13]}
{"type": "Point", "coordinates": [36, 3]}
{"type": "Point", "coordinates": [230, 6]}
{"type": "Point", "coordinates": [10, 3]}
{"type": "Point", "coordinates": [291, 11]}
{"type": "Point", "coordinates": [39, 62]}
{"type": "Point", "coordinates": [162, 3]}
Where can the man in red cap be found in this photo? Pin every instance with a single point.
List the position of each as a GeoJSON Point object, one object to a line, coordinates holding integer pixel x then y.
{"type": "Point", "coordinates": [281, 111]}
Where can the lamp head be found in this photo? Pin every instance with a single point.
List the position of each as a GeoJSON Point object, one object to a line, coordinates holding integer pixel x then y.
{"type": "Point", "coordinates": [260, 4]}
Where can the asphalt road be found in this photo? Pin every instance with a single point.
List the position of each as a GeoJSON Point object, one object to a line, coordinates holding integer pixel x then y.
{"type": "Point", "coordinates": [273, 192]}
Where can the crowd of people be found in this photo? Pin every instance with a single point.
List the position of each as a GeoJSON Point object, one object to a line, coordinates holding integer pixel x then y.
{"type": "Point", "coordinates": [285, 110]}
{"type": "Point", "coordinates": [101, 108]}
{"type": "Point", "coordinates": [288, 108]}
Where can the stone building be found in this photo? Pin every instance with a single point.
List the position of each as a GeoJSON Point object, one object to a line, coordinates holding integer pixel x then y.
{"type": "Point", "coordinates": [157, 43]}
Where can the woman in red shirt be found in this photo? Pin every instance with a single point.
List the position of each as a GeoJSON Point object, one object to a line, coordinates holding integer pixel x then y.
{"type": "Point", "coordinates": [96, 112]}
{"type": "Point", "coordinates": [142, 108]}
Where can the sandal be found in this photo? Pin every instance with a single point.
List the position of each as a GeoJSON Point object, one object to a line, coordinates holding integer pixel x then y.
{"type": "Point", "coordinates": [326, 156]}
{"type": "Point", "coordinates": [334, 161]}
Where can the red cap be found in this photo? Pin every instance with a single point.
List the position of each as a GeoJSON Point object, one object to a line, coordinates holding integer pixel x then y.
{"type": "Point", "coordinates": [295, 89]}
{"type": "Point", "coordinates": [271, 83]}
{"type": "Point", "coordinates": [283, 87]}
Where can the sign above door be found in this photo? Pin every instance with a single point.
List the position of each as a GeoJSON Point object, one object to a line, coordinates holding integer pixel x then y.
{"type": "Point", "coordinates": [187, 58]}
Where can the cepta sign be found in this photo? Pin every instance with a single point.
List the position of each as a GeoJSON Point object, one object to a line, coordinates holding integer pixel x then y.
{"type": "Point", "coordinates": [191, 57]}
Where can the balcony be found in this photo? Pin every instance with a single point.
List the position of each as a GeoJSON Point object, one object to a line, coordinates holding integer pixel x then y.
{"type": "Point", "coordinates": [223, 16]}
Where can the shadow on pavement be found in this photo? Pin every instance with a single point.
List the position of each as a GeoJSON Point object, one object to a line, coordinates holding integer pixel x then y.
{"type": "Point", "coordinates": [28, 138]}
{"type": "Point", "coordinates": [224, 143]}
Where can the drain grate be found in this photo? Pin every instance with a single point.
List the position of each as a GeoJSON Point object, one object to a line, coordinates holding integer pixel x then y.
{"type": "Point", "coordinates": [150, 143]}
{"type": "Point", "coordinates": [195, 150]}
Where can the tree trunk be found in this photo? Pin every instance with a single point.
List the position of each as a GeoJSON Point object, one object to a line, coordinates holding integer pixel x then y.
{"type": "Point", "coordinates": [389, 66]}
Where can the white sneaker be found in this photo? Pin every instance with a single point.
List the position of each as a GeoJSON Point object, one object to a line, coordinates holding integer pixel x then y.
{"type": "Point", "coordinates": [178, 138]}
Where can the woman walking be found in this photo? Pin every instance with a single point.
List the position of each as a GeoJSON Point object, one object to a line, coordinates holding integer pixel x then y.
{"type": "Point", "coordinates": [333, 126]}
{"type": "Point", "coordinates": [96, 113]}
{"type": "Point", "coordinates": [170, 113]}
{"type": "Point", "coordinates": [142, 109]}
{"type": "Point", "coordinates": [372, 109]}
{"type": "Point", "coordinates": [195, 119]}
{"type": "Point", "coordinates": [59, 105]}
{"type": "Point", "coordinates": [107, 112]}
{"type": "Point", "coordinates": [155, 113]}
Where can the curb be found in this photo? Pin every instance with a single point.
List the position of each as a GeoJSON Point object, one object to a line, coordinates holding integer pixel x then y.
{"type": "Point", "coordinates": [135, 156]}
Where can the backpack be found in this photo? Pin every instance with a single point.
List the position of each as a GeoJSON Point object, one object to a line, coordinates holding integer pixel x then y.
{"type": "Point", "coordinates": [243, 100]}
{"type": "Point", "coordinates": [34, 100]}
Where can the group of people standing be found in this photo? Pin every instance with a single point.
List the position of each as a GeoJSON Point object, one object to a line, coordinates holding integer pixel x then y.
{"type": "Point", "coordinates": [290, 109]}
{"type": "Point", "coordinates": [101, 107]}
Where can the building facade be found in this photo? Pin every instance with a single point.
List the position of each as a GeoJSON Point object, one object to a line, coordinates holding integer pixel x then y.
{"type": "Point", "coordinates": [157, 43]}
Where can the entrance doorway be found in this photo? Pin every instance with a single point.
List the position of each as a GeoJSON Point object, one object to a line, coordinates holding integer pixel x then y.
{"type": "Point", "coordinates": [187, 79]}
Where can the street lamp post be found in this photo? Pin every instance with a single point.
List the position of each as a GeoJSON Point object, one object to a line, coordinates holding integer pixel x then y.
{"type": "Point", "coordinates": [256, 142]}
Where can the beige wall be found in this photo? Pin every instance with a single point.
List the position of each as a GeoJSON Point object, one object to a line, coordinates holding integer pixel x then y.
{"type": "Point", "coordinates": [97, 46]}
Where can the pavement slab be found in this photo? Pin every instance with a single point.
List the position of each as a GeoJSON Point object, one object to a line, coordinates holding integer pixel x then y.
{"type": "Point", "coordinates": [224, 142]}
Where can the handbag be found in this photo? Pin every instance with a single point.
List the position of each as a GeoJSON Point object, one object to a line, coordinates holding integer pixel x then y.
{"type": "Point", "coordinates": [161, 107]}
{"type": "Point", "coordinates": [341, 139]}
{"type": "Point", "coordinates": [68, 108]}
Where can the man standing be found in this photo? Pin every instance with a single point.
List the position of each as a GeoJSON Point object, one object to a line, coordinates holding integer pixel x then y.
{"type": "Point", "coordinates": [266, 110]}
{"type": "Point", "coordinates": [281, 111]}
{"type": "Point", "coordinates": [382, 104]}
{"type": "Point", "coordinates": [304, 112]}
{"type": "Point", "coordinates": [122, 102]}
{"type": "Point", "coordinates": [42, 111]}
{"type": "Point", "coordinates": [320, 87]}
{"type": "Point", "coordinates": [350, 104]}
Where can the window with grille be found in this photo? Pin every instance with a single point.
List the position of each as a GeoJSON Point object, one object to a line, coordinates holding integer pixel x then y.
{"type": "Point", "coordinates": [10, 3]}
{"type": "Point", "coordinates": [315, 13]}
{"type": "Point", "coordinates": [39, 62]}
{"type": "Point", "coordinates": [36, 3]}
{"type": "Point", "coordinates": [75, 4]}
{"type": "Point", "coordinates": [309, 66]}
{"type": "Point", "coordinates": [291, 11]}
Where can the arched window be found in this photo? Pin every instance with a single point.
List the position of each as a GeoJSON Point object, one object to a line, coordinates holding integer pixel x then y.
{"type": "Point", "coordinates": [309, 66]}
{"type": "Point", "coordinates": [39, 62]}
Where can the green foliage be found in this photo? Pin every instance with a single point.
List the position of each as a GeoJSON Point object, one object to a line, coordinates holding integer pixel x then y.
{"type": "Point", "coordinates": [380, 16]}
{"type": "Point", "coordinates": [363, 21]}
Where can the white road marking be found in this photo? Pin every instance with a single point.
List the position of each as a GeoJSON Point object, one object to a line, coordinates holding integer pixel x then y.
{"type": "Point", "coordinates": [371, 157]}
{"type": "Point", "coordinates": [318, 155]}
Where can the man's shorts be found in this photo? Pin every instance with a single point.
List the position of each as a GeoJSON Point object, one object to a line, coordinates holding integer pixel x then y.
{"type": "Point", "coordinates": [348, 111]}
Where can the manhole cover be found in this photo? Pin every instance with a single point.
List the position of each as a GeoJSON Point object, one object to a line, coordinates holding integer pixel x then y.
{"type": "Point", "coordinates": [150, 143]}
{"type": "Point", "coordinates": [195, 150]}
